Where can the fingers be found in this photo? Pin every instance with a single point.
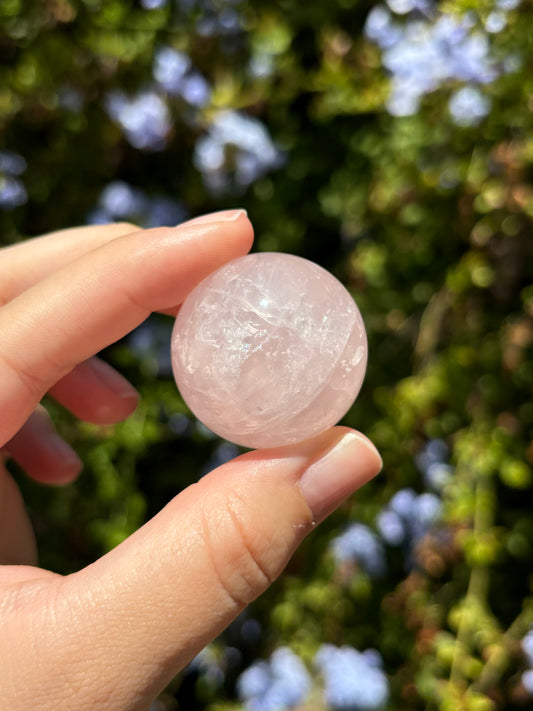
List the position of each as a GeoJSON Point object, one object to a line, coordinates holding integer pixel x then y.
{"type": "Point", "coordinates": [42, 453]}
{"type": "Point", "coordinates": [150, 605]}
{"type": "Point", "coordinates": [83, 307]}
{"type": "Point", "coordinates": [95, 392]}
{"type": "Point", "coordinates": [17, 542]}
{"type": "Point", "coordinates": [25, 264]}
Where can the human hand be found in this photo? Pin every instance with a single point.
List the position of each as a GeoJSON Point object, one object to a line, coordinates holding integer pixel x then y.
{"type": "Point", "coordinates": [113, 635]}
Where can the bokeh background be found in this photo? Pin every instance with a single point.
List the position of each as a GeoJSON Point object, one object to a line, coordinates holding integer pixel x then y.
{"type": "Point", "coordinates": [391, 142]}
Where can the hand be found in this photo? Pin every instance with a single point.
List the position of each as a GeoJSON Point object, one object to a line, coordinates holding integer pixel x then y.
{"type": "Point", "coordinates": [114, 634]}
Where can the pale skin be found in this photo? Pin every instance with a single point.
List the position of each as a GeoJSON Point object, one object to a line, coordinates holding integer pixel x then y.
{"type": "Point", "coordinates": [112, 635]}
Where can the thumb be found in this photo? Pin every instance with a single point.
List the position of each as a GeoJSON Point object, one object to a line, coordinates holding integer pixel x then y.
{"type": "Point", "coordinates": [127, 624]}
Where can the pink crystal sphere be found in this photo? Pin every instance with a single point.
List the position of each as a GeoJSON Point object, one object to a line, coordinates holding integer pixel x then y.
{"type": "Point", "coordinates": [269, 350]}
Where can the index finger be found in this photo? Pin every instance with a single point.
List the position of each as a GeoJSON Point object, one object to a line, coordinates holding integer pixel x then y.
{"type": "Point", "coordinates": [95, 300]}
{"type": "Point", "coordinates": [25, 263]}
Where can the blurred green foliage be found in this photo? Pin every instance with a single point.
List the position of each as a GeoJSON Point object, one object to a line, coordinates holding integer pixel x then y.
{"type": "Point", "coordinates": [427, 222]}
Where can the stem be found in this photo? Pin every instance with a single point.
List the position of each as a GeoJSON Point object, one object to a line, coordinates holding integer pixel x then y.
{"type": "Point", "coordinates": [497, 661]}
{"type": "Point", "coordinates": [478, 583]}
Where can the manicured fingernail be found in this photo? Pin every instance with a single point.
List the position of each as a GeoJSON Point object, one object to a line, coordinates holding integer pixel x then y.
{"type": "Point", "coordinates": [342, 469]}
{"type": "Point", "coordinates": [112, 380]}
{"type": "Point", "coordinates": [69, 464]}
{"type": "Point", "coordinates": [222, 216]}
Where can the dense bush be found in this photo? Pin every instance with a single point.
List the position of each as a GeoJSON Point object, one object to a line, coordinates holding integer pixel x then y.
{"type": "Point", "coordinates": [392, 143]}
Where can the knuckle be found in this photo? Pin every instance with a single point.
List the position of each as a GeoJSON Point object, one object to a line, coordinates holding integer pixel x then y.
{"type": "Point", "coordinates": [35, 384]}
{"type": "Point", "coordinates": [244, 558]}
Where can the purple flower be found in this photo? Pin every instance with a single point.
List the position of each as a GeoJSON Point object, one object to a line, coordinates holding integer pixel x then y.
{"type": "Point", "coordinates": [361, 545]}
{"type": "Point", "coordinates": [12, 163]}
{"type": "Point", "coordinates": [402, 503]}
{"type": "Point", "coordinates": [427, 510]}
{"type": "Point", "coordinates": [196, 90]}
{"type": "Point", "coordinates": [408, 518]}
{"type": "Point", "coordinates": [437, 475]}
{"type": "Point", "coordinates": [12, 193]}
{"type": "Point", "coordinates": [120, 200]}
{"type": "Point", "coordinates": [431, 462]}
{"type": "Point", "coordinates": [391, 527]}
{"type": "Point", "coordinates": [236, 146]}
{"type": "Point", "coordinates": [144, 118]}
{"type": "Point", "coordinates": [402, 7]}
{"type": "Point", "coordinates": [353, 680]}
{"type": "Point", "coordinates": [495, 22]}
{"type": "Point", "coordinates": [12, 190]}
{"type": "Point", "coordinates": [380, 28]}
{"type": "Point", "coordinates": [280, 683]}
{"type": "Point", "coordinates": [170, 68]}
{"type": "Point", "coordinates": [468, 106]}
{"type": "Point", "coordinates": [527, 681]}
{"type": "Point", "coordinates": [422, 55]}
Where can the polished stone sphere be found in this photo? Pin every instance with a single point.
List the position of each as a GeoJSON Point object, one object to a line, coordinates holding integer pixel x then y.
{"type": "Point", "coordinates": [268, 350]}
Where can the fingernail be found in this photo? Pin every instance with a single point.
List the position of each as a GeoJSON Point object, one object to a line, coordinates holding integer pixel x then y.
{"type": "Point", "coordinates": [221, 216]}
{"type": "Point", "coordinates": [351, 462]}
{"type": "Point", "coordinates": [69, 464]}
{"type": "Point", "coordinates": [112, 380]}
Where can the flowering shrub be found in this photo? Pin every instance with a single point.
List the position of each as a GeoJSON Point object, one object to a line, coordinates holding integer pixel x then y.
{"type": "Point", "coordinates": [391, 143]}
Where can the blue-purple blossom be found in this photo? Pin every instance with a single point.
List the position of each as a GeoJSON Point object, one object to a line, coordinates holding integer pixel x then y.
{"type": "Point", "coordinates": [153, 4]}
{"type": "Point", "coordinates": [237, 148]}
{"type": "Point", "coordinates": [508, 4]}
{"type": "Point", "coordinates": [121, 201]}
{"type": "Point", "coordinates": [353, 680]}
{"type": "Point", "coordinates": [468, 106]}
{"type": "Point", "coordinates": [437, 475]}
{"type": "Point", "coordinates": [381, 28]}
{"type": "Point", "coordinates": [225, 22]}
{"type": "Point", "coordinates": [196, 90]}
{"type": "Point", "coordinates": [403, 7]}
{"type": "Point", "coordinates": [422, 54]}
{"type": "Point", "coordinates": [12, 190]}
{"type": "Point", "coordinates": [144, 118]}
{"type": "Point", "coordinates": [12, 163]}
{"type": "Point", "coordinates": [174, 73]}
{"type": "Point", "coordinates": [431, 461]}
{"type": "Point", "coordinates": [361, 545]}
{"type": "Point", "coordinates": [427, 511]}
{"type": "Point", "coordinates": [170, 68]}
{"type": "Point", "coordinates": [403, 502]}
{"type": "Point", "coordinates": [280, 683]}
{"type": "Point", "coordinates": [12, 193]}
{"type": "Point", "coordinates": [408, 517]}
{"type": "Point", "coordinates": [391, 527]}
{"type": "Point", "coordinates": [495, 22]}
{"type": "Point", "coordinates": [527, 681]}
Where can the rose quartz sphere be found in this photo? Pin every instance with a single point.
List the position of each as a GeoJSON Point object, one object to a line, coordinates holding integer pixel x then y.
{"type": "Point", "coordinates": [269, 350]}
